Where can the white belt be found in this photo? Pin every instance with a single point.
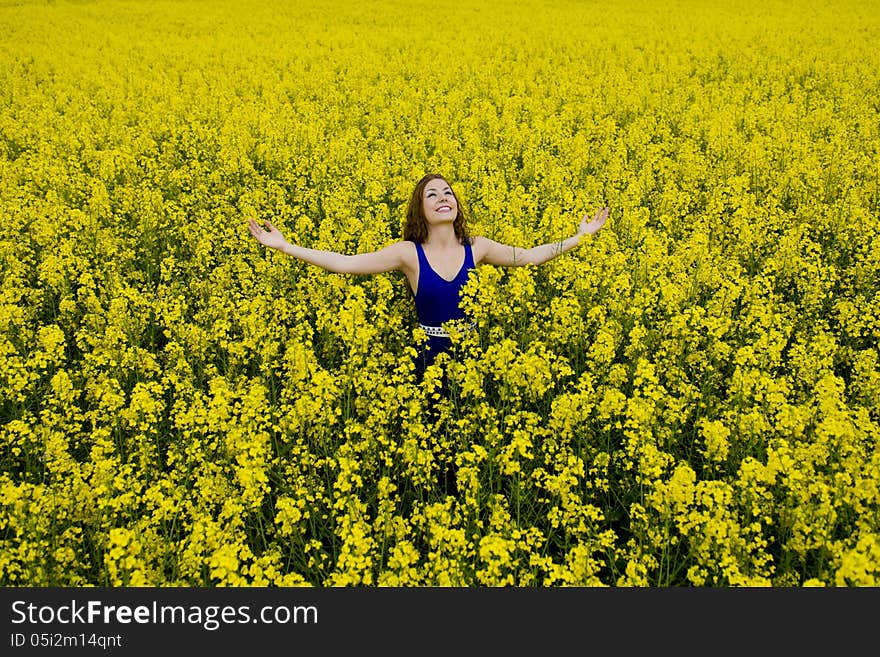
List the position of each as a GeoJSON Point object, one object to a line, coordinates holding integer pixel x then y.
{"type": "Point", "coordinates": [440, 332]}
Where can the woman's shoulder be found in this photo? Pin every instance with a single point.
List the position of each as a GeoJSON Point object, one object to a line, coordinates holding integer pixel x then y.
{"type": "Point", "coordinates": [482, 247]}
{"type": "Point", "coordinates": [407, 251]}
{"type": "Point", "coordinates": [477, 243]}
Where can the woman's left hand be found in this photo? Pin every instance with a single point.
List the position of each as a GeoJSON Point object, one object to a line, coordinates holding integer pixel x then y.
{"type": "Point", "coordinates": [590, 227]}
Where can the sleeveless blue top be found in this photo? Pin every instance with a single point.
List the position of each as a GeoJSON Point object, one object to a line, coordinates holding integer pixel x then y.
{"type": "Point", "coordinates": [437, 300]}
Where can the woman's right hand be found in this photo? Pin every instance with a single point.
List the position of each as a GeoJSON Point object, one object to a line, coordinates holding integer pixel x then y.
{"type": "Point", "coordinates": [270, 236]}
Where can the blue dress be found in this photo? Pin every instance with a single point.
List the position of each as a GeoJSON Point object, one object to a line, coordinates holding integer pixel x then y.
{"type": "Point", "coordinates": [437, 301]}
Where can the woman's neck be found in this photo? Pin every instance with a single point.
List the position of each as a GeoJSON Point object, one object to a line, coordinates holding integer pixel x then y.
{"type": "Point", "coordinates": [442, 237]}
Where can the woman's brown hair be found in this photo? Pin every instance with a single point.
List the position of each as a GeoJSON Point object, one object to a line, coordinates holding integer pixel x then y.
{"type": "Point", "coordinates": [416, 227]}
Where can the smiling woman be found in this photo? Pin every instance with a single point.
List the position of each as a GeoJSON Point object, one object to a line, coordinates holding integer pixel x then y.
{"type": "Point", "coordinates": [436, 255]}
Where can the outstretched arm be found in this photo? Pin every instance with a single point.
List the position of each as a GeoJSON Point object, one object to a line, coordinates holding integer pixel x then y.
{"type": "Point", "coordinates": [389, 258]}
{"type": "Point", "coordinates": [494, 253]}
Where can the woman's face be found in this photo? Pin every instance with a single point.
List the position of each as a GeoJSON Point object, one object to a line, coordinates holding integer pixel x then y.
{"type": "Point", "coordinates": [438, 202]}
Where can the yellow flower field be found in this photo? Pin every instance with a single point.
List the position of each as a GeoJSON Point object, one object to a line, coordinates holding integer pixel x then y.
{"type": "Point", "coordinates": [690, 398]}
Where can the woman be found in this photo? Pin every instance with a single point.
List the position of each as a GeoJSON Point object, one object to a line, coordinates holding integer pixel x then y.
{"type": "Point", "coordinates": [436, 255]}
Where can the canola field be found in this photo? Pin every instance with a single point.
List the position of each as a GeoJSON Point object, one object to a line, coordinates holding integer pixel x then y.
{"type": "Point", "coordinates": [690, 398]}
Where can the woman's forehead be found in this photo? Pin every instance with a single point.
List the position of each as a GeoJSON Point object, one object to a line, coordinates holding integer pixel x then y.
{"type": "Point", "coordinates": [437, 185]}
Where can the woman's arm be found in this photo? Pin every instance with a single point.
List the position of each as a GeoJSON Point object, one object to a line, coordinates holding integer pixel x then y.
{"type": "Point", "coordinates": [495, 253]}
{"type": "Point", "coordinates": [393, 256]}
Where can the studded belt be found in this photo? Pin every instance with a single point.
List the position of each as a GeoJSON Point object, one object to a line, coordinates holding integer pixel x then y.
{"type": "Point", "coordinates": [440, 332]}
